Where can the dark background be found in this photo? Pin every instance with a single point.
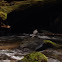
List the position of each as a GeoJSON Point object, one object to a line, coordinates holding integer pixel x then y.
{"type": "Point", "coordinates": [47, 17]}
{"type": "Point", "coordinates": [36, 17]}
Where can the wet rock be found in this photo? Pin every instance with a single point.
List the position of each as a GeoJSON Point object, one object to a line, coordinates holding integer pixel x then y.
{"type": "Point", "coordinates": [35, 57]}
{"type": "Point", "coordinates": [52, 60]}
{"type": "Point", "coordinates": [53, 55]}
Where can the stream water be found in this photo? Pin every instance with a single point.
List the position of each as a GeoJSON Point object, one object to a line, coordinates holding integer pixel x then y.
{"type": "Point", "coordinates": [16, 54]}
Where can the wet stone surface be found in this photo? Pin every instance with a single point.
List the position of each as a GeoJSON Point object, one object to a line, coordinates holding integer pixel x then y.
{"type": "Point", "coordinates": [54, 55]}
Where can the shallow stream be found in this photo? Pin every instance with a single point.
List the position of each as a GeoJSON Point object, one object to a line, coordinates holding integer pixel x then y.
{"type": "Point", "coordinates": [15, 54]}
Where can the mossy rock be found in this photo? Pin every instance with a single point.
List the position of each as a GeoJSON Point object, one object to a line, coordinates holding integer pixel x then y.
{"type": "Point", "coordinates": [55, 45]}
{"type": "Point", "coordinates": [35, 57]}
{"type": "Point", "coordinates": [3, 15]}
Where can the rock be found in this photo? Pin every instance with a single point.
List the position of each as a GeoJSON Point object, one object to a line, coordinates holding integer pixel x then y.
{"type": "Point", "coordinates": [35, 57]}
{"type": "Point", "coordinates": [31, 44]}
{"type": "Point", "coordinates": [52, 44]}
{"type": "Point", "coordinates": [54, 55]}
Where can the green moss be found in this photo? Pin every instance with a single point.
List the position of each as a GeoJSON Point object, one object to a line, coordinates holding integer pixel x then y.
{"type": "Point", "coordinates": [3, 15]}
{"type": "Point", "coordinates": [35, 57]}
{"type": "Point", "coordinates": [17, 5]}
{"type": "Point", "coordinates": [6, 9]}
{"type": "Point", "coordinates": [52, 43]}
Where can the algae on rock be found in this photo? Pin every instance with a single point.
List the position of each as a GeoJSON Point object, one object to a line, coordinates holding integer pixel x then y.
{"type": "Point", "coordinates": [55, 45]}
{"type": "Point", "coordinates": [35, 57]}
{"type": "Point", "coordinates": [3, 15]}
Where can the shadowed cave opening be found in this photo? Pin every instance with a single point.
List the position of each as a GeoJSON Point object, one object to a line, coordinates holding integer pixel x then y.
{"type": "Point", "coordinates": [36, 17]}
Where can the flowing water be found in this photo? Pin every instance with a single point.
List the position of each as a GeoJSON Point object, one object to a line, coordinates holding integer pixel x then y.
{"type": "Point", "coordinates": [11, 51]}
